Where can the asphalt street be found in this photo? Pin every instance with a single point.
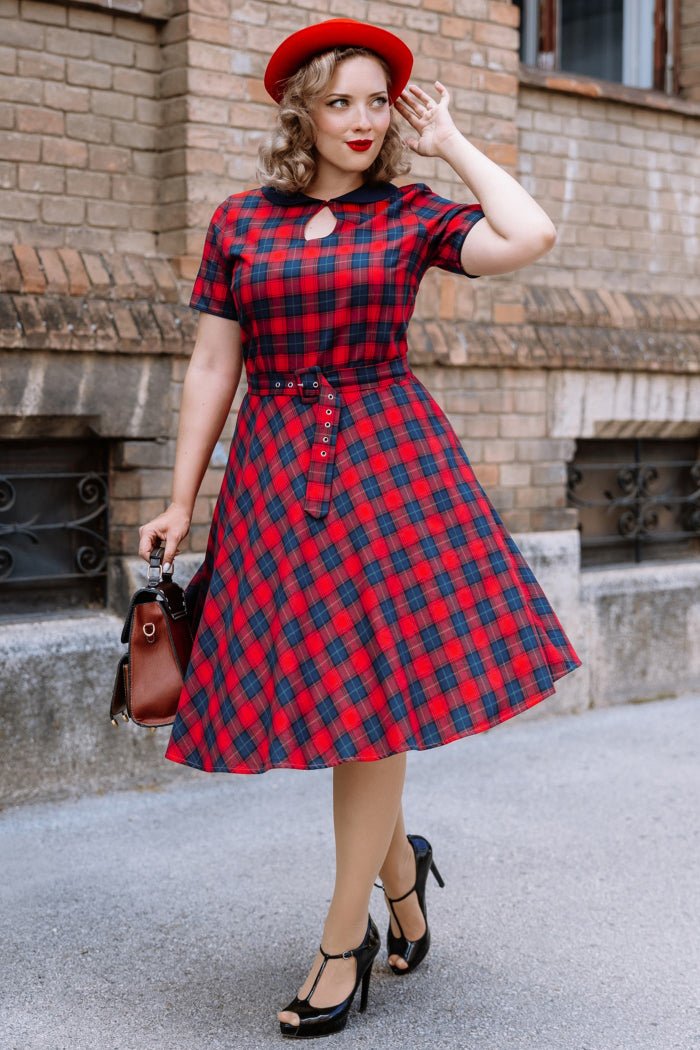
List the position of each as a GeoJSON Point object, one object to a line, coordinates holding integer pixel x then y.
{"type": "Point", "coordinates": [185, 916]}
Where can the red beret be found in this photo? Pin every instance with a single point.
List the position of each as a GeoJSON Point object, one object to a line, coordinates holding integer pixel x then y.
{"type": "Point", "coordinates": [338, 32]}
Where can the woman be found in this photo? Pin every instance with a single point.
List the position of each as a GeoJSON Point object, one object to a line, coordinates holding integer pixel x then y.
{"type": "Point", "coordinates": [360, 596]}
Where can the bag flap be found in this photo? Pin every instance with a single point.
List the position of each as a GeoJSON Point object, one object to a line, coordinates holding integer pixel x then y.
{"type": "Point", "coordinates": [144, 594]}
{"type": "Point", "coordinates": [170, 595]}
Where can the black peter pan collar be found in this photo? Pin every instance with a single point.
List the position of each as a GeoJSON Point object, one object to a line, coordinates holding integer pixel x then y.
{"type": "Point", "coordinates": [367, 194]}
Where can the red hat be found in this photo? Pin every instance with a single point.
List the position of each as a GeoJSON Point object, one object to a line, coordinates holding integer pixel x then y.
{"type": "Point", "coordinates": [338, 32]}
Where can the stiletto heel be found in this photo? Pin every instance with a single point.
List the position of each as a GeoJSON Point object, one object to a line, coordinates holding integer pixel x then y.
{"type": "Point", "coordinates": [436, 873]}
{"type": "Point", "coordinates": [413, 951]}
{"type": "Point", "coordinates": [323, 1020]}
{"type": "Point", "coordinates": [365, 989]}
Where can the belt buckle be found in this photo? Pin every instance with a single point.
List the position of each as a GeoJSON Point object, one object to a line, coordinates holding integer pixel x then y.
{"type": "Point", "coordinates": [313, 393]}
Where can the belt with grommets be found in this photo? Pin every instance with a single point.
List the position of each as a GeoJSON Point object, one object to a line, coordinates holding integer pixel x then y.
{"type": "Point", "coordinates": [322, 385]}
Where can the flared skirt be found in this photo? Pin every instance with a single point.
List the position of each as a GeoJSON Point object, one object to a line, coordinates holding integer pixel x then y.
{"type": "Point", "coordinates": [404, 619]}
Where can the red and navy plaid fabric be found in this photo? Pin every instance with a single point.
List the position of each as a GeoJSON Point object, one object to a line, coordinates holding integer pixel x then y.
{"type": "Point", "coordinates": [359, 595]}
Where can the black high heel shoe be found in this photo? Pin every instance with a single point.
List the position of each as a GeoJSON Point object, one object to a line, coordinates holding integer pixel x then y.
{"type": "Point", "coordinates": [323, 1020]}
{"type": "Point", "coordinates": [413, 951]}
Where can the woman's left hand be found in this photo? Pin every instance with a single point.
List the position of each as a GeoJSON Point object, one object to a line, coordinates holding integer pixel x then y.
{"type": "Point", "coordinates": [432, 120]}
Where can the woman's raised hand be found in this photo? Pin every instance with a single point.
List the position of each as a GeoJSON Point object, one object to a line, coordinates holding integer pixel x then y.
{"type": "Point", "coordinates": [169, 528]}
{"type": "Point", "coordinates": [432, 120]}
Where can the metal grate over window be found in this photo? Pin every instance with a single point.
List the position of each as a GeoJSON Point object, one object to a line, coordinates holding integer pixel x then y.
{"type": "Point", "coordinates": [54, 502]}
{"type": "Point", "coordinates": [637, 499]}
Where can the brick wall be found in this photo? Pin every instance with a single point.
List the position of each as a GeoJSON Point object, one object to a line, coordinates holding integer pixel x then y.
{"type": "Point", "coordinates": [80, 127]}
{"type": "Point", "coordinates": [621, 184]}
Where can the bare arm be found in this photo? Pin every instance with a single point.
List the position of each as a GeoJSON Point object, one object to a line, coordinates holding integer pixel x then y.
{"type": "Point", "coordinates": [515, 230]}
{"type": "Point", "coordinates": [210, 385]}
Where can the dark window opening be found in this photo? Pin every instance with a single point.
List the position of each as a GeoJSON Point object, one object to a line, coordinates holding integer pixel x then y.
{"type": "Point", "coordinates": [54, 501]}
{"type": "Point", "coordinates": [591, 38]}
{"type": "Point", "coordinates": [623, 41]}
{"type": "Point", "coordinates": [637, 499]}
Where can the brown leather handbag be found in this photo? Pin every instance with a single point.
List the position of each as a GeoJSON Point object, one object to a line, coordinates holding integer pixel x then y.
{"type": "Point", "coordinates": [158, 634]}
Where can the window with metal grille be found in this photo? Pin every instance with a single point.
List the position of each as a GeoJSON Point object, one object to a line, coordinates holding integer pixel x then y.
{"type": "Point", "coordinates": [637, 499]}
{"type": "Point", "coordinates": [53, 525]}
{"type": "Point", "coordinates": [631, 42]}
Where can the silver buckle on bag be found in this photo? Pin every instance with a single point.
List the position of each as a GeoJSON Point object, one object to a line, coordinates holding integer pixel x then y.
{"type": "Point", "coordinates": [155, 567]}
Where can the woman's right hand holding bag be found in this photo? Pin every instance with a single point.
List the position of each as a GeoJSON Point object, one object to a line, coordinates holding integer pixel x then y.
{"type": "Point", "coordinates": [169, 530]}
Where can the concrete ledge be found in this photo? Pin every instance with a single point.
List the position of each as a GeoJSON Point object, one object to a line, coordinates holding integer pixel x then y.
{"type": "Point", "coordinates": [56, 738]}
{"type": "Point", "coordinates": [643, 630]}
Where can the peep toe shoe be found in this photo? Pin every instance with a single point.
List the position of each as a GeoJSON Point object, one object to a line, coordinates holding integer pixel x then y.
{"type": "Point", "coordinates": [413, 951]}
{"type": "Point", "coordinates": [324, 1020]}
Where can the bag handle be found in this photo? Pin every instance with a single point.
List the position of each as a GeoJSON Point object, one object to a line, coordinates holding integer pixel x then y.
{"type": "Point", "coordinates": [155, 574]}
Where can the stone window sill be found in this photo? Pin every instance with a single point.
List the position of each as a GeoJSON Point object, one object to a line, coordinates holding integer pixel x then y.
{"type": "Point", "coordinates": [591, 87]}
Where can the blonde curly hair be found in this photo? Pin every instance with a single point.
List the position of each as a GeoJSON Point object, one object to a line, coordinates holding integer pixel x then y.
{"type": "Point", "coordinates": [286, 160]}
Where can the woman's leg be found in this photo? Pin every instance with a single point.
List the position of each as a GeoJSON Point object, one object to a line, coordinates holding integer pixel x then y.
{"type": "Point", "coordinates": [398, 873]}
{"type": "Point", "coordinates": [366, 804]}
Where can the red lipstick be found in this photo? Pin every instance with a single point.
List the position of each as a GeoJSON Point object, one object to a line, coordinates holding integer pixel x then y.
{"type": "Point", "coordinates": [360, 144]}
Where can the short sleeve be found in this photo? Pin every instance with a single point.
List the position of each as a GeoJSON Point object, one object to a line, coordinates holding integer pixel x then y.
{"type": "Point", "coordinates": [211, 292]}
{"type": "Point", "coordinates": [448, 224]}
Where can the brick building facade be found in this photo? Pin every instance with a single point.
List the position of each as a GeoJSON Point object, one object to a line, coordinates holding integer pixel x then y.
{"type": "Point", "coordinates": [125, 123]}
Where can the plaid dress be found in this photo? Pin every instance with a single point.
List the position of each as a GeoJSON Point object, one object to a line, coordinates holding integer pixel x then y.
{"type": "Point", "coordinates": [360, 595]}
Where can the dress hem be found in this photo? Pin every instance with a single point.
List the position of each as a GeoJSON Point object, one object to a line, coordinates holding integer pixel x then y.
{"type": "Point", "coordinates": [531, 701]}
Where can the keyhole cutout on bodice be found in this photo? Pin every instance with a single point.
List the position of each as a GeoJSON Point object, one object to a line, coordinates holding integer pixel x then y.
{"type": "Point", "coordinates": [320, 224]}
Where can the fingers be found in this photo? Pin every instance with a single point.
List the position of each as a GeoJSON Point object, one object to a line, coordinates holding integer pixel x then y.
{"type": "Point", "coordinates": [171, 549]}
{"type": "Point", "coordinates": [422, 100]}
{"type": "Point", "coordinates": [153, 540]}
{"type": "Point", "coordinates": [167, 530]}
{"type": "Point", "coordinates": [419, 93]}
{"type": "Point", "coordinates": [418, 116]}
{"type": "Point", "coordinates": [150, 538]}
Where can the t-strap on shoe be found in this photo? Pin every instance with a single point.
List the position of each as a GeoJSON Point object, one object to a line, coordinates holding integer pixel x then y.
{"type": "Point", "coordinates": [413, 951]}
{"type": "Point", "coordinates": [323, 1020]}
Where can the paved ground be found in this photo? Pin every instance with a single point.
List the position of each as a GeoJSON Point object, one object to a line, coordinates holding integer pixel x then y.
{"type": "Point", "coordinates": [185, 917]}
